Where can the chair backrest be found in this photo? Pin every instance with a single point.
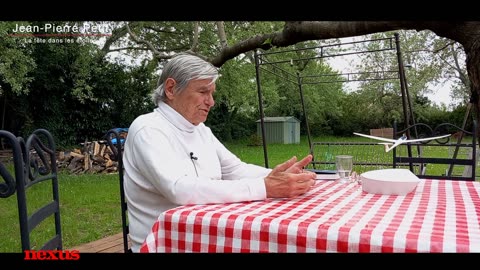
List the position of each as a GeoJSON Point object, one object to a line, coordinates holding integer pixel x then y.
{"type": "Point", "coordinates": [34, 162]}
{"type": "Point", "coordinates": [7, 188]}
{"type": "Point", "coordinates": [438, 159]}
{"type": "Point", "coordinates": [115, 141]}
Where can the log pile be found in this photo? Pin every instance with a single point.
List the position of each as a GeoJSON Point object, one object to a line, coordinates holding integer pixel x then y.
{"type": "Point", "coordinates": [5, 156]}
{"type": "Point", "coordinates": [93, 157]}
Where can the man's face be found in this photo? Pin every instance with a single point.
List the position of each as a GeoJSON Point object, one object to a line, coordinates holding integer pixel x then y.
{"type": "Point", "coordinates": [195, 101]}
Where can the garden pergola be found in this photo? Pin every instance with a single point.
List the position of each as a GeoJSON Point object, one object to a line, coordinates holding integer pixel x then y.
{"type": "Point", "coordinates": [276, 68]}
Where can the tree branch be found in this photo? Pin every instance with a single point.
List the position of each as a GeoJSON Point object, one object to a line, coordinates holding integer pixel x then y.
{"type": "Point", "coordinates": [295, 32]}
{"type": "Point", "coordinates": [443, 47]}
{"type": "Point", "coordinates": [117, 34]}
{"type": "Point", "coordinates": [149, 45]}
{"type": "Point", "coordinates": [128, 48]}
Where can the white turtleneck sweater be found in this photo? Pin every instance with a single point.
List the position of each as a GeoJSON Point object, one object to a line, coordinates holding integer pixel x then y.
{"type": "Point", "coordinates": [160, 174]}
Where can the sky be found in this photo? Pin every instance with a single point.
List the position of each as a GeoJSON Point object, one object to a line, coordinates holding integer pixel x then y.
{"type": "Point", "coordinates": [441, 94]}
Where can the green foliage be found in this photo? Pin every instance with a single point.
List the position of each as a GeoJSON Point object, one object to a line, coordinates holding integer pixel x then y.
{"type": "Point", "coordinates": [430, 59]}
{"type": "Point", "coordinates": [323, 101]}
{"type": "Point", "coordinates": [236, 101]}
{"type": "Point", "coordinates": [78, 96]}
{"type": "Point", "coordinates": [15, 61]}
{"type": "Point", "coordinates": [241, 30]}
{"type": "Point", "coordinates": [255, 140]}
{"type": "Point", "coordinates": [268, 41]}
{"type": "Point", "coordinates": [229, 125]}
{"type": "Point", "coordinates": [330, 109]}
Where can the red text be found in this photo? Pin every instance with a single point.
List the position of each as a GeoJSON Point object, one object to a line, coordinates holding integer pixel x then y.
{"type": "Point", "coordinates": [52, 255]}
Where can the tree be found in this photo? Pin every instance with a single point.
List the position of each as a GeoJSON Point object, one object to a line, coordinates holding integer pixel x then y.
{"type": "Point", "coordinates": [66, 87]}
{"type": "Point", "coordinates": [429, 60]}
{"type": "Point", "coordinates": [15, 62]}
{"type": "Point", "coordinates": [466, 33]}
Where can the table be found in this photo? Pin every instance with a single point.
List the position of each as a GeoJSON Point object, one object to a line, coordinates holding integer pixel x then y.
{"type": "Point", "coordinates": [438, 216]}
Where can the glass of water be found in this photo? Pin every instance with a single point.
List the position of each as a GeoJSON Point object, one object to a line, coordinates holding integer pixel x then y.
{"type": "Point", "coordinates": [344, 164]}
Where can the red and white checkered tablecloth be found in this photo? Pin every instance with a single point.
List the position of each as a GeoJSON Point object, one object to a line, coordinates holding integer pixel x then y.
{"type": "Point", "coordinates": [439, 216]}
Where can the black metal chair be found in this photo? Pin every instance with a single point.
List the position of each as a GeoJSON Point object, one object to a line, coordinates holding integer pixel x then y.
{"type": "Point", "coordinates": [7, 188]}
{"type": "Point", "coordinates": [441, 158]}
{"type": "Point", "coordinates": [115, 141]}
{"type": "Point", "coordinates": [34, 162]}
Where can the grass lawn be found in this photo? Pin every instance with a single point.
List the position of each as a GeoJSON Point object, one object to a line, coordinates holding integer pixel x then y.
{"type": "Point", "coordinates": [90, 207]}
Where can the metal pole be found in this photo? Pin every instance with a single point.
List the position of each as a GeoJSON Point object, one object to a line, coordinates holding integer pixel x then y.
{"type": "Point", "coordinates": [3, 111]}
{"type": "Point", "coordinates": [304, 112]}
{"type": "Point", "coordinates": [460, 138]}
{"type": "Point", "coordinates": [401, 72]}
{"type": "Point", "coordinates": [260, 106]}
{"type": "Point", "coordinates": [2, 146]}
{"type": "Point", "coordinates": [406, 115]}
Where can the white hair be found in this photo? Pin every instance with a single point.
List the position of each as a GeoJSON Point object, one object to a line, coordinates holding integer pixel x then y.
{"type": "Point", "coordinates": [183, 68]}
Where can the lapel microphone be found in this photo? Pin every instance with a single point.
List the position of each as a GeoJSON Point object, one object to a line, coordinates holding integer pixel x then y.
{"type": "Point", "coordinates": [192, 158]}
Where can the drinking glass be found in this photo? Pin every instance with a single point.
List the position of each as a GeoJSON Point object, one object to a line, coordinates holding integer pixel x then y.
{"type": "Point", "coordinates": [344, 164]}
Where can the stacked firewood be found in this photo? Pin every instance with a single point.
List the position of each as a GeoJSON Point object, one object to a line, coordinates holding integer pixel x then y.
{"type": "Point", "coordinates": [93, 157]}
{"type": "Point", "coordinates": [5, 155]}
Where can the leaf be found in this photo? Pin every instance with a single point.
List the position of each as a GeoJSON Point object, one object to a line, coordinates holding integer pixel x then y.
{"type": "Point", "coordinates": [268, 41]}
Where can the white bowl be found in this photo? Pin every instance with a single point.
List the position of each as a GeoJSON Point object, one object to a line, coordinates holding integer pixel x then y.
{"type": "Point", "coordinates": [389, 181]}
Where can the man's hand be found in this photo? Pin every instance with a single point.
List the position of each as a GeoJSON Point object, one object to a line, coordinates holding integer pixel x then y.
{"type": "Point", "coordinates": [289, 179]}
{"type": "Point", "coordinates": [297, 167]}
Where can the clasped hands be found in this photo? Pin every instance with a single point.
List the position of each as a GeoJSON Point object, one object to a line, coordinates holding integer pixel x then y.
{"type": "Point", "coordinates": [289, 179]}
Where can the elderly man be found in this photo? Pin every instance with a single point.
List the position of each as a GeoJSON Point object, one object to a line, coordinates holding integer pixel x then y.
{"type": "Point", "coordinates": [171, 158]}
